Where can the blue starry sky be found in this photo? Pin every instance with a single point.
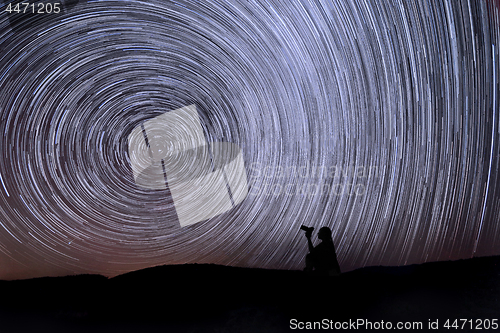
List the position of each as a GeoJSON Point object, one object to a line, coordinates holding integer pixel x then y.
{"type": "Point", "coordinates": [379, 119]}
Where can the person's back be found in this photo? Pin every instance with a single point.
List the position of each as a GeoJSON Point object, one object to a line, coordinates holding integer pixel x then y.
{"type": "Point", "coordinates": [326, 258]}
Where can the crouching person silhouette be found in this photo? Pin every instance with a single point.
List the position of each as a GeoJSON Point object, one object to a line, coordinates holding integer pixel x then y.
{"type": "Point", "coordinates": [322, 259]}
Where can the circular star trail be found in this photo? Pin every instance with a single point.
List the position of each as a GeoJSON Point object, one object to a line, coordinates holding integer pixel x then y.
{"type": "Point", "coordinates": [379, 119]}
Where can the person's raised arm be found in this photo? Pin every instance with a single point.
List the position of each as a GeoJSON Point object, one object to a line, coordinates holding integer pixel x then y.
{"type": "Point", "coordinates": [309, 242]}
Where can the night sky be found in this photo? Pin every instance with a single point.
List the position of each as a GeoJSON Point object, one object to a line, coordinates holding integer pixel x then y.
{"type": "Point", "coordinates": [379, 119]}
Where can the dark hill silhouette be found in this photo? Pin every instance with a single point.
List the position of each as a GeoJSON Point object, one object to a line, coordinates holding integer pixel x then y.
{"type": "Point", "coordinates": [214, 298]}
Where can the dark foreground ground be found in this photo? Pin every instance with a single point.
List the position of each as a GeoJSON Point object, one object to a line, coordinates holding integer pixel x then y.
{"type": "Point", "coordinates": [211, 298]}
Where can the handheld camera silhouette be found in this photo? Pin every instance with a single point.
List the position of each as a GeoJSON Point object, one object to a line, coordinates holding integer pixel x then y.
{"type": "Point", "coordinates": [307, 229]}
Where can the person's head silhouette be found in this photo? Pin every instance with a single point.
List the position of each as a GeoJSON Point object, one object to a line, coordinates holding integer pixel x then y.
{"type": "Point", "coordinates": [325, 234]}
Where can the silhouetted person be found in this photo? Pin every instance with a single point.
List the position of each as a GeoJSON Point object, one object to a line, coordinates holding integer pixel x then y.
{"type": "Point", "coordinates": [322, 259]}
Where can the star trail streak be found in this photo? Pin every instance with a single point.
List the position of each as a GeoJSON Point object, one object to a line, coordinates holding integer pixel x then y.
{"type": "Point", "coordinates": [379, 119]}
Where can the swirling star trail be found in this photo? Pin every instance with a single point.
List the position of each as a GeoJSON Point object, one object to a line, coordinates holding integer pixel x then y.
{"type": "Point", "coordinates": [379, 119]}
